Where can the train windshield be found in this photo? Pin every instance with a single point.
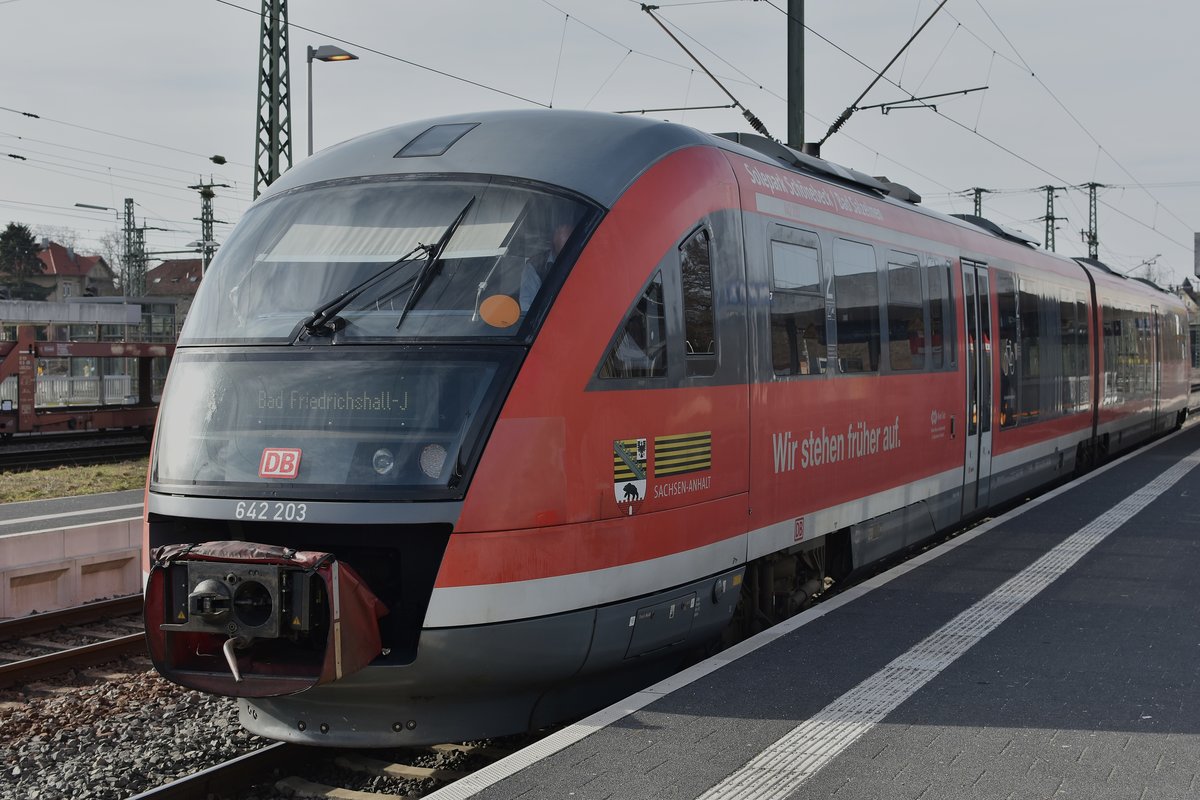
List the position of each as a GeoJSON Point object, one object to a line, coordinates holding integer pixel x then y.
{"type": "Point", "coordinates": [380, 260]}
{"type": "Point", "coordinates": [367, 423]}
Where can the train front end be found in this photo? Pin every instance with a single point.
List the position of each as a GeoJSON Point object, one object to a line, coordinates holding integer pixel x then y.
{"type": "Point", "coordinates": [335, 385]}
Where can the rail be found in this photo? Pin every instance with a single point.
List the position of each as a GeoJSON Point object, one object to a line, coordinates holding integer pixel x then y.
{"type": "Point", "coordinates": [77, 615]}
{"type": "Point", "coordinates": [234, 777]}
{"type": "Point", "coordinates": [32, 453]}
{"type": "Point", "coordinates": [26, 670]}
{"type": "Point", "coordinates": [228, 778]}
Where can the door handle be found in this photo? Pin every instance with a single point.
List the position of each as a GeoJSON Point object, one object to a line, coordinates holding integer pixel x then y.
{"type": "Point", "coordinates": [951, 426]}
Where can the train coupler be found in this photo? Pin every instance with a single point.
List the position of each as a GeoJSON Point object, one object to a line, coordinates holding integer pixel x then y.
{"type": "Point", "coordinates": [252, 620]}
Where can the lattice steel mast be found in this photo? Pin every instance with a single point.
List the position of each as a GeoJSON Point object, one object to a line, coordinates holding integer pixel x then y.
{"type": "Point", "coordinates": [207, 244]}
{"type": "Point", "coordinates": [133, 272]}
{"type": "Point", "coordinates": [1092, 235]}
{"type": "Point", "coordinates": [1050, 218]}
{"type": "Point", "coordinates": [273, 142]}
{"type": "Point", "coordinates": [979, 192]}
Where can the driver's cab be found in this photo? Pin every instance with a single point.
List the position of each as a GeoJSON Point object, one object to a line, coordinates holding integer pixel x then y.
{"type": "Point", "coordinates": [415, 258]}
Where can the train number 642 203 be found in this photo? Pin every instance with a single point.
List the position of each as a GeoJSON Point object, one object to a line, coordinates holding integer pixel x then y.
{"type": "Point", "coordinates": [275, 512]}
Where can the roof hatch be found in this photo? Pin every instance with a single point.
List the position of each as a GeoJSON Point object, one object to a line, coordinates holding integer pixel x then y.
{"type": "Point", "coordinates": [436, 140]}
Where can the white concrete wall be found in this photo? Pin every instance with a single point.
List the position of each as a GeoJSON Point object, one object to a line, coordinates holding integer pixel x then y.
{"type": "Point", "coordinates": [63, 567]}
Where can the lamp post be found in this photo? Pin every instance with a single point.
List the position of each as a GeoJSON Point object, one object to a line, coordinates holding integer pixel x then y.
{"type": "Point", "coordinates": [105, 245]}
{"type": "Point", "coordinates": [326, 52]}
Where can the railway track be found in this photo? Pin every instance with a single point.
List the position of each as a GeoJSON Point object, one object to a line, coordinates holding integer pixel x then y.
{"type": "Point", "coordinates": [29, 633]}
{"type": "Point", "coordinates": [78, 448]}
{"type": "Point", "coordinates": [29, 454]}
{"type": "Point", "coordinates": [402, 775]}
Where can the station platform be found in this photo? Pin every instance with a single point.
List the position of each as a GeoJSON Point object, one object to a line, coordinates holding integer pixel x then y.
{"type": "Point", "coordinates": [1050, 652]}
{"type": "Point", "coordinates": [85, 509]}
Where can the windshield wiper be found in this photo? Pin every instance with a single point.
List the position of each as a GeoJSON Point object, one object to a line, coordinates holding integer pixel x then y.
{"type": "Point", "coordinates": [429, 268]}
{"type": "Point", "coordinates": [325, 320]}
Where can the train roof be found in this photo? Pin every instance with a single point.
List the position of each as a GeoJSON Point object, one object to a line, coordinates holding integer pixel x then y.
{"type": "Point", "coordinates": [596, 154]}
{"type": "Point", "coordinates": [1104, 274]}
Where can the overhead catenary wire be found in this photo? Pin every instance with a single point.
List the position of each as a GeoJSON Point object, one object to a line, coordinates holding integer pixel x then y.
{"type": "Point", "coordinates": [600, 88]}
{"type": "Point", "coordinates": [393, 57]}
{"type": "Point", "coordinates": [991, 141]}
{"type": "Point", "coordinates": [562, 43]}
{"type": "Point", "coordinates": [624, 46]}
{"type": "Point", "coordinates": [676, 108]}
{"type": "Point", "coordinates": [141, 192]}
{"type": "Point", "coordinates": [32, 115]}
{"type": "Point", "coordinates": [96, 153]}
{"type": "Point", "coordinates": [850, 109]}
{"type": "Point", "coordinates": [33, 164]}
{"type": "Point", "coordinates": [623, 68]}
{"type": "Point", "coordinates": [749, 80]}
{"type": "Point", "coordinates": [145, 177]}
{"type": "Point", "coordinates": [1087, 132]}
{"type": "Point", "coordinates": [47, 166]}
{"type": "Point", "coordinates": [754, 121]}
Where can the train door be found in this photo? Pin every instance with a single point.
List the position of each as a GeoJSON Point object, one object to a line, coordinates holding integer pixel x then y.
{"type": "Point", "coordinates": [977, 318]}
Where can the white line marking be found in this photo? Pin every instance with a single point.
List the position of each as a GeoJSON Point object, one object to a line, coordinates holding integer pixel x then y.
{"type": "Point", "coordinates": [783, 766]}
{"type": "Point", "coordinates": [506, 767]}
{"type": "Point", "coordinates": [4, 522]}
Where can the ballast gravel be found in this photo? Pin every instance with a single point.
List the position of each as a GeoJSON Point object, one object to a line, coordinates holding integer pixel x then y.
{"type": "Point", "coordinates": [114, 739]}
{"type": "Point", "coordinates": [135, 731]}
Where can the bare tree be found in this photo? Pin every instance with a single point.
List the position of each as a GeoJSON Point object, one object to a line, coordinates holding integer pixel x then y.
{"type": "Point", "coordinates": [67, 237]}
{"type": "Point", "coordinates": [112, 248]}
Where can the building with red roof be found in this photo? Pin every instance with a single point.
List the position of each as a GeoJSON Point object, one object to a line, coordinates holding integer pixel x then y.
{"type": "Point", "coordinates": [68, 274]}
{"type": "Point", "coordinates": [176, 278]}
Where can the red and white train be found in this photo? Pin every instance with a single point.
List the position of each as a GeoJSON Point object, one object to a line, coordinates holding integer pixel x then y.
{"type": "Point", "coordinates": [478, 422]}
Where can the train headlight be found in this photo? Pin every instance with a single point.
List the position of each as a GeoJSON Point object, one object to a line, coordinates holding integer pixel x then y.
{"type": "Point", "coordinates": [433, 457]}
{"type": "Point", "coordinates": [384, 461]}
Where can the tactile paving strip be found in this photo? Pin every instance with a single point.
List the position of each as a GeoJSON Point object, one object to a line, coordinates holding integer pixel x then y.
{"type": "Point", "coordinates": [778, 770]}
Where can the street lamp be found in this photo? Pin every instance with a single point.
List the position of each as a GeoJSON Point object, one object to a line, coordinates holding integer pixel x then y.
{"type": "Point", "coordinates": [116, 212]}
{"type": "Point", "coordinates": [326, 52]}
{"type": "Point", "coordinates": [206, 248]}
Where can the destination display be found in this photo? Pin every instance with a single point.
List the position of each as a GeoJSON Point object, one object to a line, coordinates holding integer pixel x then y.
{"type": "Point", "coordinates": [338, 419]}
{"type": "Point", "coordinates": [332, 397]}
{"type": "Point", "coordinates": [349, 400]}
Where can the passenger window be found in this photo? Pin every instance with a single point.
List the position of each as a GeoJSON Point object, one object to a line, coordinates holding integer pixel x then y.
{"type": "Point", "coordinates": [907, 343]}
{"type": "Point", "coordinates": [699, 320]}
{"type": "Point", "coordinates": [1008, 347]}
{"type": "Point", "coordinates": [798, 344]}
{"type": "Point", "coordinates": [941, 319]}
{"type": "Point", "coordinates": [639, 348]}
{"type": "Point", "coordinates": [1029, 351]}
{"type": "Point", "coordinates": [856, 287]}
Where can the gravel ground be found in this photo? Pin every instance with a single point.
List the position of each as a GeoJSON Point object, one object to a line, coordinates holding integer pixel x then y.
{"type": "Point", "coordinates": [112, 740]}
{"type": "Point", "coordinates": [136, 731]}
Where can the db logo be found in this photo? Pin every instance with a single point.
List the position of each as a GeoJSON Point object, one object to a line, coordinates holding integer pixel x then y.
{"type": "Point", "coordinates": [279, 462]}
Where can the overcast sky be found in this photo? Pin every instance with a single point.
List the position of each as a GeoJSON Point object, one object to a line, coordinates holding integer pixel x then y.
{"type": "Point", "coordinates": [134, 95]}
